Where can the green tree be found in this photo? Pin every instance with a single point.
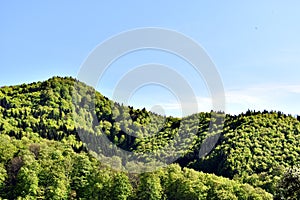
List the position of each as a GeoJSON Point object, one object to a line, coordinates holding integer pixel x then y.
{"type": "Point", "coordinates": [121, 187]}
{"type": "Point", "coordinates": [3, 177]}
{"type": "Point", "coordinates": [289, 185]}
{"type": "Point", "coordinates": [149, 187]}
{"type": "Point", "coordinates": [27, 179]}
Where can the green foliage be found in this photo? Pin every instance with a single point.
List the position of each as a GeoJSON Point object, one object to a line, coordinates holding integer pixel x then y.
{"type": "Point", "coordinates": [254, 148]}
{"type": "Point", "coordinates": [47, 128]}
{"type": "Point", "coordinates": [289, 185]}
{"type": "Point", "coordinates": [149, 187]}
{"type": "Point", "coordinates": [121, 187]}
{"type": "Point", "coordinates": [187, 183]}
{"type": "Point", "coordinates": [3, 176]}
{"type": "Point", "coordinates": [52, 170]}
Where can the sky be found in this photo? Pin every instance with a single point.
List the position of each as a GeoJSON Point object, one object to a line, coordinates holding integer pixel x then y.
{"type": "Point", "coordinates": [255, 46]}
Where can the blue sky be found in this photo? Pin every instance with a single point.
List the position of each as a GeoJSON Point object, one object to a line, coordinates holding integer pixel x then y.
{"type": "Point", "coordinates": [255, 46]}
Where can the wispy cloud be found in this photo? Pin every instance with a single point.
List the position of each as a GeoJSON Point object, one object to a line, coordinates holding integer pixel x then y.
{"type": "Point", "coordinates": [179, 109]}
{"type": "Point", "coordinates": [259, 97]}
{"type": "Point", "coordinates": [256, 97]}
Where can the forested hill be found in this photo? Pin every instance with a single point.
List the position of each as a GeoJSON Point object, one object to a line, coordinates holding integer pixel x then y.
{"type": "Point", "coordinates": [47, 129]}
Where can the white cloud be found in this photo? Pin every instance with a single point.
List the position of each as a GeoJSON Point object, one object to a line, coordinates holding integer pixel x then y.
{"type": "Point", "coordinates": [260, 97]}
{"type": "Point", "coordinates": [278, 97]}
{"type": "Point", "coordinates": [291, 88]}
{"type": "Point", "coordinates": [189, 107]}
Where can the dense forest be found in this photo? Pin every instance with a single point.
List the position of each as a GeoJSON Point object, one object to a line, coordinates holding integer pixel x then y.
{"type": "Point", "coordinates": [61, 139]}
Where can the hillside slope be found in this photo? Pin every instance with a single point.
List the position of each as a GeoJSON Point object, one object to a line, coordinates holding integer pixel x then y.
{"type": "Point", "coordinates": [253, 148]}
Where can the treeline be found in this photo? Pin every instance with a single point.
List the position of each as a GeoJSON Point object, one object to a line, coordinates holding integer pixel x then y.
{"type": "Point", "coordinates": [254, 147]}
{"type": "Point", "coordinates": [44, 169]}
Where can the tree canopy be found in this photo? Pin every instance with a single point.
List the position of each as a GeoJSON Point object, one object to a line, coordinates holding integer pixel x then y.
{"type": "Point", "coordinates": [49, 132]}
